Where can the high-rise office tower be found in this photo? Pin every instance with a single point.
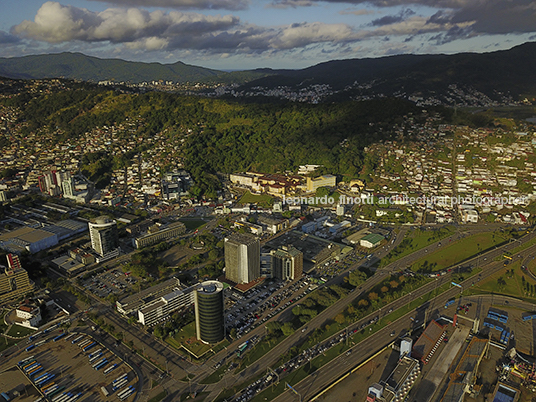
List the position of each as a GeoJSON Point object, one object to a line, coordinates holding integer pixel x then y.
{"type": "Point", "coordinates": [287, 263]}
{"type": "Point", "coordinates": [209, 309]}
{"type": "Point", "coordinates": [242, 258]}
{"type": "Point", "coordinates": [14, 280]}
{"type": "Point", "coordinates": [103, 234]}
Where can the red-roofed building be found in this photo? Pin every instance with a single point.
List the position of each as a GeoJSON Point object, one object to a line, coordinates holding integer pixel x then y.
{"type": "Point", "coordinates": [428, 342]}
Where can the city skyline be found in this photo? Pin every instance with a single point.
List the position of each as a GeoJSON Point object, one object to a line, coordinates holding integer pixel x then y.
{"type": "Point", "coordinates": [246, 34]}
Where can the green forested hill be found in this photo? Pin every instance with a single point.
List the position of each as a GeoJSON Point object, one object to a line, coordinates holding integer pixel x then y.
{"type": "Point", "coordinates": [223, 136]}
{"type": "Point", "coordinates": [86, 68]}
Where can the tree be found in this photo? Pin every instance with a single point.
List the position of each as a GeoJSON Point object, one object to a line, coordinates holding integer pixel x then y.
{"type": "Point", "coordinates": [393, 284]}
{"type": "Point", "coordinates": [287, 329]}
{"type": "Point", "coordinates": [501, 283]}
{"type": "Point", "coordinates": [273, 326]}
{"type": "Point", "coordinates": [213, 255]}
{"type": "Point", "coordinates": [356, 277]}
{"type": "Point", "coordinates": [363, 303]}
{"type": "Point", "coordinates": [340, 319]}
{"type": "Point", "coordinates": [158, 331]}
{"type": "Point", "coordinates": [384, 289]}
{"type": "Point", "coordinates": [373, 296]}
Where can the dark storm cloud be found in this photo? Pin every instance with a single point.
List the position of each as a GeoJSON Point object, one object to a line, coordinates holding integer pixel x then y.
{"type": "Point", "coordinates": [485, 16]}
{"type": "Point", "coordinates": [184, 4]}
{"type": "Point", "coordinates": [7, 38]}
{"type": "Point", "coordinates": [393, 19]}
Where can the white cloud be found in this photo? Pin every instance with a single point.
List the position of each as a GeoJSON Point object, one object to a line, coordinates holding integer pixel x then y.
{"type": "Point", "coordinates": [152, 43]}
{"type": "Point", "coordinates": [301, 35]}
{"type": "Point", "coordinates": [55, 23]}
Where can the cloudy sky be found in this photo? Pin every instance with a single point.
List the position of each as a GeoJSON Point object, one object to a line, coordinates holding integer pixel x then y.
{"type": "Point", "coordinates": [244, 34]}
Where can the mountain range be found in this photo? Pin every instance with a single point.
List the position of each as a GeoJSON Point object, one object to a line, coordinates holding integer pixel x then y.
{"type": "Point", "coordinates": [499, 74]}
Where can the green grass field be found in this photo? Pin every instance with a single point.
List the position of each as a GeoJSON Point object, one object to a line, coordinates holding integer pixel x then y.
{"type": "Point", "coordinates": [457, 252]}
{"type": "Point", "coordinates": [216, 375]}
{"type": "Point", "coordinates": [19, 332]}
{"type": "Point", "coordinates": [416, 240]}
{"type": "Point", "coordinates": [513, 284]}
{"type": "Point", "coordinates": [192, 224]}
{"type": "Point", "coordinates": [263, 199]}
{"type": "Point", "coordinates": [258, 351]}
{"type": "Point", "coordinates": [186, 339]}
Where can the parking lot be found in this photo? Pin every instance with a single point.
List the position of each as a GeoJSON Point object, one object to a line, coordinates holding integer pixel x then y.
{"type": "Point", "coordinates": [261, 303]}
{"type": "Point", "coordinates": [109, 282]}
{"type": "Point", "coordinates": [51, 365]}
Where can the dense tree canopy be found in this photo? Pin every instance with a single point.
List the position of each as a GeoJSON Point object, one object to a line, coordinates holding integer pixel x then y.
{"type": "Point", "coordinates": [222, 136]}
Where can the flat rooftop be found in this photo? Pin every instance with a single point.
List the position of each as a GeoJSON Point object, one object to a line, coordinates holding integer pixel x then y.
{"type": "Point", "coordinates": [401, 372]}
{"type": "Point", "coordinates": [135, 301]}
{"type": "Point", "coordinates": [314, 248]}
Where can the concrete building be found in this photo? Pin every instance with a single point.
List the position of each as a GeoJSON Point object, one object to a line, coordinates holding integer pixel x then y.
{"type": "Point", "coordinates": [30, 315]}
{"type": "Point", "coordinates": [287, 263]}
{"type": "Point", "coordinates": [103, 234]}
{"type": "Point", "coordinates": [158, 233]}
{"type": "Point", "coordinates": [161, 308]}
{"type": "Point", "coordinates": [266, 265]}
{"type": "Point", "coordinates": [315, 183]}
{"type": "Point", "coordinates": [242, 258]}
{"type": "Point", "coordinates": [397, 386]}
{"type": "Point", "coordinates": [506, 393]}
{"type": "Point", "coordinates": [464, 378]}
{"type": "Point", "coordinates": [14, 282]}
{"type": "Point", "coordinates": [3, 196]}
{"type": "Point", "coordinates": [82, 256]}
{"type": "Point", "coordinates": [68, 188]}
{"type": "Point", "coordinates": [13, 261]}
{"type": "Point", "coordinates": [273, 225]}
{"type": "Point", "coordinates": [175, 185]}
{"type": "Point", "coordinates": [131, 304]}
{"type": "Point", "coordinates": [209, 310]}
{"type": "Point", "coordinates": [469, 216]}
{"type": "Point", "coordinates": [29, 239]}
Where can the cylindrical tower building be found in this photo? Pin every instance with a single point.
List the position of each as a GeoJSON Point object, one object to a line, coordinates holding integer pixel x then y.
{"type": "Point", "coordinates": [209, 309]}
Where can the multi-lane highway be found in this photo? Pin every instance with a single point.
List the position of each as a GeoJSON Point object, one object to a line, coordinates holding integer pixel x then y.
{"type": "Point", "coordinates": [269, 360]}
{"type": "Point", "coordinates": [323, 377]}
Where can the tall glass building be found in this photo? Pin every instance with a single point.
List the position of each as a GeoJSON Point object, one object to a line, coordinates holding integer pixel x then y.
{"type": "Point", "coordinates": [209, 309]}
{"type": "Point", "coordinates": [103, 234]}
